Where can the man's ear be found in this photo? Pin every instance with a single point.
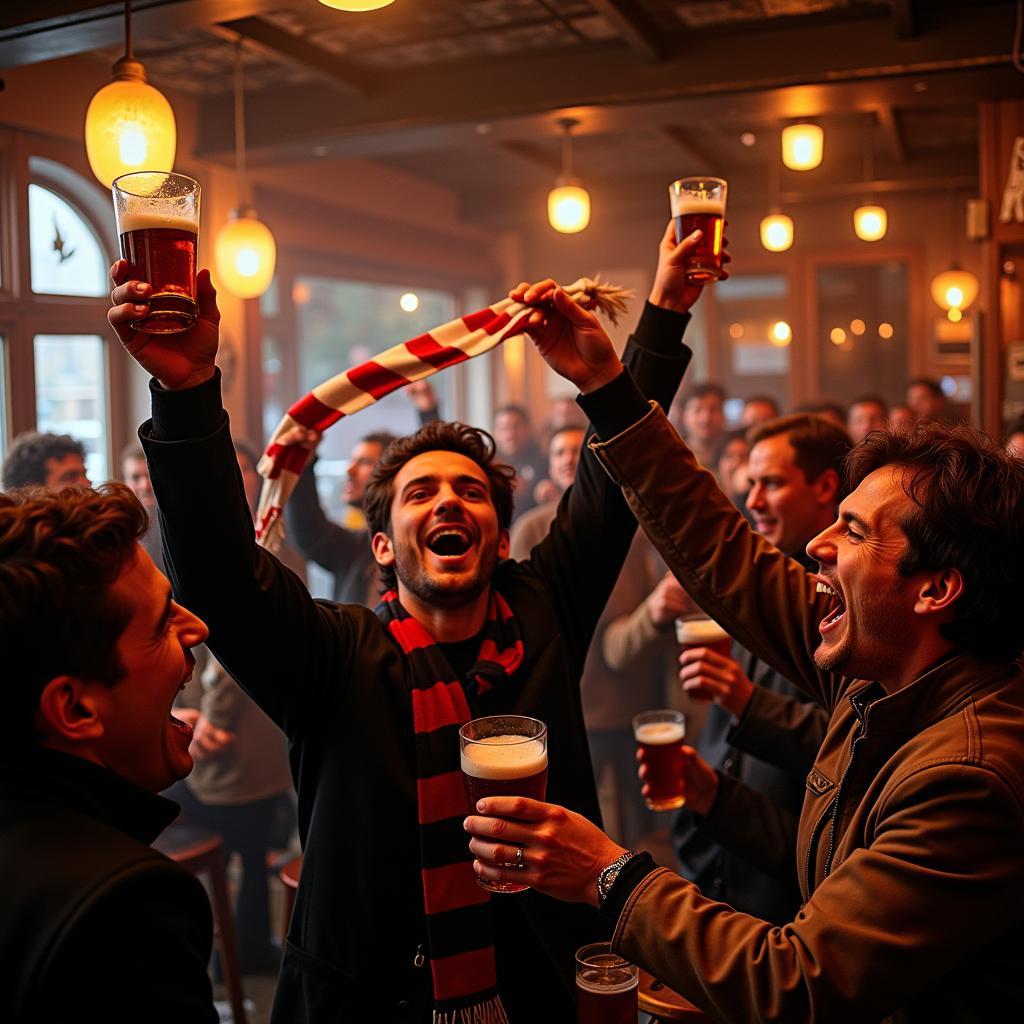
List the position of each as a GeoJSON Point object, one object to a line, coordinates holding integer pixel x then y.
{"type": "Point", "coordinates": [69, 711]}
{"type": "Point", "coordinates": [827, 486]}
{"type": "Point", "coordinates": [383, 549]}
{"type": "Point", "coordinates": [938, 591]}
{"type": "Point", "coordinates": [504, 545]}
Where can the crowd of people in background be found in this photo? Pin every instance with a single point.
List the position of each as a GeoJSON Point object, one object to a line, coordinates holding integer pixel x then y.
{"type": "Point", "coordinates": [752, 733]}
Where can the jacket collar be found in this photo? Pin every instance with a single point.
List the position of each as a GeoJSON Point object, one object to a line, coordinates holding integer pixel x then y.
{"type": "Point", "coordinates": [54, 777]}
{"type": "Point", "coordinates": [937, 692]}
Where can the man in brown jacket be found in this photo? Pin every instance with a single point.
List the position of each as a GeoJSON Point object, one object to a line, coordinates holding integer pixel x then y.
{"type": "Point", "coordinates": [912, 831]}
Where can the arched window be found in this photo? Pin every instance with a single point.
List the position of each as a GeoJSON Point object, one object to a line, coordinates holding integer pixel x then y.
{"type": "Point", "coordinates": [66, 255]}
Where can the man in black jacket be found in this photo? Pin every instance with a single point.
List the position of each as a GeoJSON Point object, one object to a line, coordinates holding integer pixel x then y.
{"type": "Point", "coordinates": [338, 684]}
{"type": "Point", "coordinates": [95, 926]}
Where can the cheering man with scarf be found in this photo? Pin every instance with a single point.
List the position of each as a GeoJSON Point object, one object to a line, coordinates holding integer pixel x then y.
{"type": "Point", "coordinates": [389, 923]}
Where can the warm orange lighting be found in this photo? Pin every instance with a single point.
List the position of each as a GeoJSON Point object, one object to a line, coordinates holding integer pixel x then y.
{"type": "Point", "coordinates": [245, 254]}
{"type": "Point", "coordinates": [409, 302]}
{"type": "Point", "coordinates": [954, 289]}
{"type": "Point", "coordinates": [870, 222]}
{"type": "Point", "coordinates": [802, 146]}
{"type": "Point", "coordinates": [857, 326]}
{"type": "Point", "coordinates": [837, 336]}
{"type": "Point", "coordinates": [781, 334]}
{"type": "Point", "coordinates": [356, 5]}
{"type": "Point", "coordinates": [569, 208]}
{"type": "Point", "coordinates": [885, 331]}
{"type": "Point", "coordinates": [736, 331]}
{"type": "Point", "coordinates": [954, 315]}
{"type": "Point", "coordinates": [777, 232]}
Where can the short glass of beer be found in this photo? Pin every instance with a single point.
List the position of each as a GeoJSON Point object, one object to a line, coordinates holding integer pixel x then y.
{"type": "Point", "coordinates": [158, 225]}
{"type": "Point", "coordinates": [701, 631]}
{"type": "Point", "coordinates": [700, 203]}
{"type": "Point", "coordinates": [606, 986]}
{"type": "Point", "coordinates": [504, 755]}
{"type": "Point", "coordinates": [660, 734]}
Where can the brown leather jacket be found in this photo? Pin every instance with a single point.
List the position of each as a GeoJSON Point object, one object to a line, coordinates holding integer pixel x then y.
{"type": "Point", "coordinates": [911, 839]}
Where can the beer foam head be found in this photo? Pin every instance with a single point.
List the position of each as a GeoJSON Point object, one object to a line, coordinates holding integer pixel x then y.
{"type": "Point", "coordinates": [686, 204]}
{"type": "Point", "coordinates": [657, 734]}
{"type": "Point", "coordinates": [504, 757]}
{"type": "Point", "coordinates": [699, 631]}
{"type": "Point", "coordinates": [143, 220]}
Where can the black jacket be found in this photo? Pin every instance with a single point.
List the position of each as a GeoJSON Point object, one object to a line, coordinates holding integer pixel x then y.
{"type": "Point", "coordinates": [95, 927]}
{"type": "Point", "coordinates": [335, 682]}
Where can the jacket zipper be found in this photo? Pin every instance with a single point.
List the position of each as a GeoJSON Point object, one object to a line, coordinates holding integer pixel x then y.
{"type": "Point", "coordinates": [839, 799]}
{"type": "Point", "coordinates": [813, 845]}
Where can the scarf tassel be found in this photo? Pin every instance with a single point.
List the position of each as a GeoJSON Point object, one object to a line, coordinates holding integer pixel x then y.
{"type": "Point", "coordinates": [491, 1012]}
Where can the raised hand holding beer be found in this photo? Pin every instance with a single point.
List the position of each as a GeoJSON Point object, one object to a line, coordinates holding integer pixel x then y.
{"type": "Point", "coordinates": [176, 360]}
{"type": "Point", "coordinates": [673, 288]}
{"type": "Point", "coordinates": [697, 779]}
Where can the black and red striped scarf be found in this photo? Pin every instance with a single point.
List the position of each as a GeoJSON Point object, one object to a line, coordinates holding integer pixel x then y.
{"type": "Point", "coordinates": [462, 960]}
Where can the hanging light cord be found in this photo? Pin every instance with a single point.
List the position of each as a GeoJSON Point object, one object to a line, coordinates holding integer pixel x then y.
{"type": "Point", "coordinates": [1017, 34]}
{"type": "Point", "coordinates": [128, 29]}
{"type": "Point", "coordinates": [240, 169]}
{"type": "Point", "coordinates": [567, 153]}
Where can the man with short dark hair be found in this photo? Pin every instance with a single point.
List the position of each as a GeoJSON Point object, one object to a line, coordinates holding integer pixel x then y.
{"type": "Point", "coordinates": [761, 736]}
{"type": "Point", "coordinates": [44, 460]}
{"type": "Point", "coordinates": [135, 472]}
{"type": "Point", "coordinates": [94, 924]}
{"type": "Point", "coordinates": [758, 409]}
{"type": "Point", "coordinates": [913, 820]}
{"type": "Point", "coordinates": [389, 921]}
{"type": "Point", "coordinates": [866, 413]}
{"type": "Point", "coordinates": [517, 446]}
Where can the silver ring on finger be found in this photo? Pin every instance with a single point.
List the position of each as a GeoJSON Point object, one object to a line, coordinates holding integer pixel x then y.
{"type": "Point", "coordinates": [520, 864]}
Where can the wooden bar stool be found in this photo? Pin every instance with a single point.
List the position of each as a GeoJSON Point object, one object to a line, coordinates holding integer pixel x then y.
{"type": "Point", "coordinates": [202, 852]}
{"type": "Point", "coordinates": [289, 876]}
{"type": "Point", "coordinates": [664, 1005]}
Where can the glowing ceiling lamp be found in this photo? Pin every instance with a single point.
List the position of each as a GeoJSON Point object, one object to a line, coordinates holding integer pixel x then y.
{"type": "Point", "coordinates": [357, 5]}
{"type": "Point", "coordinates": [803, 146]}
{"type": "Point", "coordinates": [954, 290]}
{"type": "Point", "coordinates": [129, 125]}
{"type": "Point", "coordinates": [244, 250]}
{"type": "Point", "coordinates": [781, 334]}
{"type": "Point", "coordinates": [777, 232]}
{"type": "Point", "coordinates": [568, 201]}
{"type": "Point", "coordinates": [870, 222]}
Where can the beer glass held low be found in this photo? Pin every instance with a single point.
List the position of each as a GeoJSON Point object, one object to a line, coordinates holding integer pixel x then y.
{"type": "Point", "coordinates": [660, 734]}
{"type": "Point", "coordinates": [505, 755]}
{"type": "Point", "coordinates": [158, 227]}
{"type": "Point", "coordinates": [699, 203]}
{"type": "Point", "coordinates": [606, 986]}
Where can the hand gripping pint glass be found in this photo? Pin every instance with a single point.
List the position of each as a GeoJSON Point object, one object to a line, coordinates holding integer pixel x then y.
{"type": "Point", "coordinates": [659, 734]}
{"type": "Point", "coordinates": [158, 226]}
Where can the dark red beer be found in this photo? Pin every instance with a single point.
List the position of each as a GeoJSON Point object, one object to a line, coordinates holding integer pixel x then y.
{"type": "Point", "coordinates": [703, 632]}
{"type": "Point", "coordinates": [162, 251]}
{"type": "Point", "coordinates": [659, 735]}
{"type": "Point", "coordinates": [504, 765]}
{"type": "Point", "coordinates": [705, 263]}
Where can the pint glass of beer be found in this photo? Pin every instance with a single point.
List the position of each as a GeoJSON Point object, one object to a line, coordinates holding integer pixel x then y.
{"type": "Point", "coordinates": [158, 224]}
{"type": "Point", "coordinates": [700, 631]}
{"type": "Point", "coordinates": [659, 734]}
{"type": "Point", "coordinates": [606, 986]}
{"type": "Point", "coordinates": [700, 203]}
{"type": "Point", "coordinates": [505, 755]}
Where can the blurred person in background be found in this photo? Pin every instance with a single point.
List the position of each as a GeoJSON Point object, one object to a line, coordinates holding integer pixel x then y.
{"type": "Point", "coordinates": [757, 409]}
{"type": "Point", "coordinates": [866, 413]}
{"type": "Point", "coordinates": [827, 408]}
{"type": "Point", "coordinates": [927, 400]}
{"type": "Point", "coordinates": [135, 473]}
{"type": "Point", "coordinates": [701, 419]}
{"type": "Point", "coordinates": [731, 466]}
{"type": "Point", "coordinates": [44, 460]}
{"type": "Point", "coordinates": [1015, 439]}
{"type": "Point", "coordinates": [518, 448]}
{"type": "Point", "coordinates": [900, 417]}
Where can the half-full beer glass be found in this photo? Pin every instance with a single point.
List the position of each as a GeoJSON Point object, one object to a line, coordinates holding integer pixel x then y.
{"type": "Point", "coordinates": [505, 755]}
{"type": "Point", "coordinates": [700, 631]}
{"type": "Point", "coordinates": [700, 203]}
{"type": "Point", "coordinates": [158, 225]}
{"type": "Point", "coordinates": [659, 734]}
{"type": "Point", "coordinates": [606, 986]}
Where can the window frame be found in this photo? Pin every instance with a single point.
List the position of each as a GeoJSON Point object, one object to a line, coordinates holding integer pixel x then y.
{"type": "Point", "coordinates": [24, 314]}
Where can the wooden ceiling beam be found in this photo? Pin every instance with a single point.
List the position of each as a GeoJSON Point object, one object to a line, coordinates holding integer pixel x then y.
{"type": "Point", "coordinates": [282, 45]}
{"type": "Point", "coordinates": [889, 123]}
{"type": "Point", "coordinates": [635, 26]}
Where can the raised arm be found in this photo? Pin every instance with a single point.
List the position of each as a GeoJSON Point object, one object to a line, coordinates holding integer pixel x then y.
{"type": "Point", "coordinates": [289, 652]}
{"type": "Point", "coordinates": [784, 731]}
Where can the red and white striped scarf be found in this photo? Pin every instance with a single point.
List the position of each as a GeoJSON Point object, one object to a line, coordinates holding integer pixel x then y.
{"type": "Point", "coordinates": [413, 360]}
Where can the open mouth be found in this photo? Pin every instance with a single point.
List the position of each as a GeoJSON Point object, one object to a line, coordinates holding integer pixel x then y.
{"type": "Point", "coordinates": [836, 612]}
{"type": "Point", "coordinates": [449, 542]}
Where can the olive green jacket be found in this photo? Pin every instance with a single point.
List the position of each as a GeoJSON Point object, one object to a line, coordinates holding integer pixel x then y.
{"type": "Point", "coordinates": [911, 839]}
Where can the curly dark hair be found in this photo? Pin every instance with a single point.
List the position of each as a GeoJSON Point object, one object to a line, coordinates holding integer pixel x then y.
{"type": "Point", "coordinates": [967, 495]}
{"type": "Point", "coordinates": [25, 463]}
{"type": "Point", "coordinates": [472, 442]}
{"type": "Point", "coordinates": [60, 551]}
